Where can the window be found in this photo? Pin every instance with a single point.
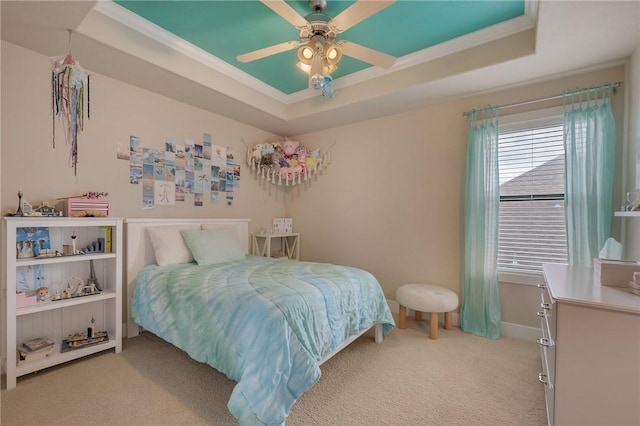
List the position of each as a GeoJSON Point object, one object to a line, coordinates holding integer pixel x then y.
{"type": "Point", "coordinates": [532, 223]}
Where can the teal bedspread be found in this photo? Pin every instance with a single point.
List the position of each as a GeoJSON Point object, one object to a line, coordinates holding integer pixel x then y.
{"type": "Point", "coordinates": [264, 323]}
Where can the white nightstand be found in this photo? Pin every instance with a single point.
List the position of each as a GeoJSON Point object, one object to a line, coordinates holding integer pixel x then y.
{"type": "Point", "coordinates": [289, 244]}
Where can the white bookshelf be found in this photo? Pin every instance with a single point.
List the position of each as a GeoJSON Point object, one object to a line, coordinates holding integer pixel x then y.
{"type": "Point", "coordinates": [57, 319]}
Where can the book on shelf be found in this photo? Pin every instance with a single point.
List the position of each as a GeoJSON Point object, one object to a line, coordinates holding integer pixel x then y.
{"type": "Point", "coordinates": [33, 349]}
{"type": "Point", "coordinates": [107, 235]}
{"type": "Point", "coordinates": [37, 344]}
{"type": "Point", "coordinates": [31, 356]}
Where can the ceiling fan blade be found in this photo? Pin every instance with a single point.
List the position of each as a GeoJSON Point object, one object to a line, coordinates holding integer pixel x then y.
{"type": "Point", "coordinates": [267, 51]}
{"type": "Point", "coordinates": [286, 12]}
{"type": "Point", "coordinates": [357, 12]}
{"type": "Point", "coordinates": [367, 55]}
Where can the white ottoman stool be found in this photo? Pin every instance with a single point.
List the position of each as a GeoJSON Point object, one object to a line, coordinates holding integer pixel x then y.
{"type": "Point", "coordinates": [426, 298]}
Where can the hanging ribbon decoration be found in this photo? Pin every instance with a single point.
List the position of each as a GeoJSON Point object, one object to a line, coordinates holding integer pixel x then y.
{"type": "Point", "coordinates": [327, 88]}
{"type": "Point", "coordinates": [67, 100]}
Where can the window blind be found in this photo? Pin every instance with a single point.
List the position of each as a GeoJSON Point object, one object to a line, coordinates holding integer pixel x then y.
{"type": "Point", "coordinates": [532, 227]}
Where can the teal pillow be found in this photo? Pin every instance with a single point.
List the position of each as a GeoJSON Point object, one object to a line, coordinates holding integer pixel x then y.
{"type": "Point", "coordinates": [213, 246]}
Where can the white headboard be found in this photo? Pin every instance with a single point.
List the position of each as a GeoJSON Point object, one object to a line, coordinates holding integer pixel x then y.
{"type": "Point", "coordinates": [139, 252]}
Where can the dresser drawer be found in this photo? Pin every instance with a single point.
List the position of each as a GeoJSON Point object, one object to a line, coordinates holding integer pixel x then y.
{"type": "Point", "coordinates": [547, 350]}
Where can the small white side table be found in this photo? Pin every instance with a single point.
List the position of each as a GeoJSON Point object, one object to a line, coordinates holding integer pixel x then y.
{"type": "Point", "coordinates": [289, 244]}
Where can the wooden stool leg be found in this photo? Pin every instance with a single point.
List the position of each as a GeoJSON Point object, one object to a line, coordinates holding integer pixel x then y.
{"type": "Point", "coordinates": [402, 317]}
{"type": "Point", "coordinates": [447, 320]}
{"type": "Point", "coordinates": [418, 316]}
{"type": "Point", "coordinates": [433, 325]}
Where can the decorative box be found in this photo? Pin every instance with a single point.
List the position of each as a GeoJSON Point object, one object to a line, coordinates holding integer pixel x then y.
{"type": "Point", "coordinates": [24, 301]}
{"type": "Point", "coordinates": [282, 225]}
{"type": "Point", "coordinates": [80, 207]}
{"type": "Point", "coordinates": [614, 273]}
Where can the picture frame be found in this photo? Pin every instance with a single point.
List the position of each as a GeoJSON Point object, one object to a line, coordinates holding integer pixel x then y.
{"type": "Point", "coordinates": [30, 241]}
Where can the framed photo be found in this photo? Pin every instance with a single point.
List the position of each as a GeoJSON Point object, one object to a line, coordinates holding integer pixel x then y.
{"type": "Point", "coordinates": [31, 241]}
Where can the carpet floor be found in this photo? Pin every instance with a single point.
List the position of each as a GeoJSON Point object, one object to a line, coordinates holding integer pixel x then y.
{"type": "Point", "coordinates": [408, 379]}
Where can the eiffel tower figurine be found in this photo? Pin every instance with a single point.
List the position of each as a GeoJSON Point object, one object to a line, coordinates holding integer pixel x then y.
{"type": "Point", "coordinates": [92, 280]}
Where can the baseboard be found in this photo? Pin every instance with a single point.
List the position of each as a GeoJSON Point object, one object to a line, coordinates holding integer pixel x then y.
{"type": "Point", "coordinates": [519, 331]}
{"type": "Point", "coordinates": [507, 329]}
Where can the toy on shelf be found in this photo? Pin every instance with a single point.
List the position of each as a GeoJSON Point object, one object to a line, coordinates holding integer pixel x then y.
{"type": "Point", "coordinates": [19, 211]}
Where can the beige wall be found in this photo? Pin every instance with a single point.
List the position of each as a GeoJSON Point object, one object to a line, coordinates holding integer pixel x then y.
{"type": "Point", "coordinates": [391, 201]}
{"type": "Point", "coordinates": [118, 110]}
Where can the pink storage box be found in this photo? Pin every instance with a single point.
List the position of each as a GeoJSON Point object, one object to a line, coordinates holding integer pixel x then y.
{"type": "Point", "coordinates": [24, 301]}
{"type": "Point", "coordinates": [74, 207]}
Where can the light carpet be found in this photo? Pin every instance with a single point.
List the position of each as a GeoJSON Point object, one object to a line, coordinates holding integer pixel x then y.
{"type": "Point", "coordinates": [408, 379]}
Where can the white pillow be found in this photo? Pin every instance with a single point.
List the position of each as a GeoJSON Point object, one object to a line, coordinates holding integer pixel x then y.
{"type": "Point", "coordinates": [213, 246]}
{"type": "Point", "coordinates": [168, 245]}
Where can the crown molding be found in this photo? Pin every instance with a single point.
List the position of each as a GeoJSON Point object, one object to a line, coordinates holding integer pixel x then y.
{"type": "Point", "coordinates": [168, 39]}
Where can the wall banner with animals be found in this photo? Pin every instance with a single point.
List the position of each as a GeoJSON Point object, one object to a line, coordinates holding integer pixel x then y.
{"type": "Point", "coordinates": [286, 162]}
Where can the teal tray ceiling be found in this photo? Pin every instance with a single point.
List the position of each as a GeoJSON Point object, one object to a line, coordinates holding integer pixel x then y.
{"type": "Point", "coordinates": [226, 29]}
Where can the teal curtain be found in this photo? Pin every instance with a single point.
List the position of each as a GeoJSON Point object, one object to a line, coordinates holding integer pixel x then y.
{"type": "Point", "coordinates": [590, 143]}
{"type": "Point", "coordinates": [480, 306]}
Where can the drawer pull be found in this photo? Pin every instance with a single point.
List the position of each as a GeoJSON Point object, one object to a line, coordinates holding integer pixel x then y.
{"type": "Point", "coordinates": [542, 285]}
{"type": "Point", "coordinates": [542, 314]}
{"type": "Point", "coordinates": [542, 341]}
{"type": "Point", "coordinates": [543, 378]}
{"type": "Point", "coordinates": [545, 306]}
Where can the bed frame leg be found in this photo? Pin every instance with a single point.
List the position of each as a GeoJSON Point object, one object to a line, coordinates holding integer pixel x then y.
{"type": "Point", "coordinates": [377, 329]}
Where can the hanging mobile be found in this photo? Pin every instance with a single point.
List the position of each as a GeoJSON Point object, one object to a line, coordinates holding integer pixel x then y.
{"type": "Point", "coordinates": [67, 100]}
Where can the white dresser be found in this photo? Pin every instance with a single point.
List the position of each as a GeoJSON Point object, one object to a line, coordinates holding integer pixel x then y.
{"type": "Point", "coordinates": [590, 349]}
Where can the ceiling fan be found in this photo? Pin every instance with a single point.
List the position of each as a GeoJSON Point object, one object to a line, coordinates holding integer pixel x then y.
{"type": "Point", "coordinates": [318, 50]}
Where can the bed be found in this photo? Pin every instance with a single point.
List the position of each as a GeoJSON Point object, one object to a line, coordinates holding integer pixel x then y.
{"type": "Point", "coordinates": [266, 323]}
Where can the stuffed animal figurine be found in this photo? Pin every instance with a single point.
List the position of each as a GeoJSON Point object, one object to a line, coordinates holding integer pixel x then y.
{"type": "Point", "coordinates": [289, 147]}
{"type": "Point", "coordinates": [311, 163]}
{"type": "Point", "coordinates": [312, 160]}
{"type": "Point", "coordinates": [256, 154]}
{"type": "Point", "coordinates": [267, 154]}
{"type": "Point", "coordinates": [286, 172]}
{"type": "Point", "coordinates": [42, 293]}
{"type": "Point", "coordinates": [301, 153]}
{"type": "Point", "coordinates": [275, 161]}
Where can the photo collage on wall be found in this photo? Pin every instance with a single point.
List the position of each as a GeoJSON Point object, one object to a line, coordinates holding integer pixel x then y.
{"type": "Point", "coordinates": [203, 170]}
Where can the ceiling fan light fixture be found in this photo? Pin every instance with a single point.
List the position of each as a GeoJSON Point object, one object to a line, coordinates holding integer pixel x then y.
{"type": "Point", "coordinates": [318, 52]}
{"type": "Point", "coordinates": [333, 53]}
{"type": "Point", "coordinates": [304, 67]}
{"type": "Point", "coordinates": [328, 68]}
{"type": "Point", "coordinates": [306, 54]}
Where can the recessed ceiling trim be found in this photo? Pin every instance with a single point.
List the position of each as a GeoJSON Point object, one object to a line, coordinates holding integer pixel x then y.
{"type": "Point", "coordinates": [468, 41]}
{"type": "Point", "coordinates": [110, 32]}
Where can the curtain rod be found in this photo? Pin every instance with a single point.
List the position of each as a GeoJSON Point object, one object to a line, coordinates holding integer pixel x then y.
{"type": "Point", "coordinates": [549, 98]}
